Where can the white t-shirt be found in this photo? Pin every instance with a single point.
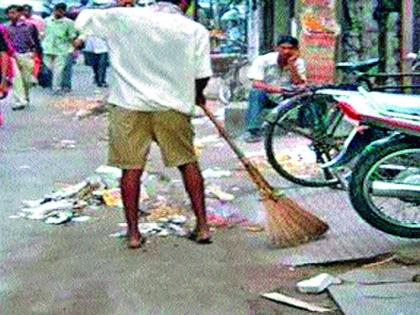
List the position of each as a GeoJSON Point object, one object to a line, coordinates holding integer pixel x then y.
{"type": "Point", "coordinates": [265, 68]}
{"type": "Point", "coordinates": [156, 57]}
{"type": "Point", "coordinates": [95, 45]}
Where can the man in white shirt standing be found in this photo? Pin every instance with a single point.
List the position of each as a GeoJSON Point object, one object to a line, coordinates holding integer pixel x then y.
{"type": "Point", "coordinates": [161, 65]}
{"type": "Point", "coordinates": [270, 74]}
{"type": "Point", "coordinates": [96, 56]}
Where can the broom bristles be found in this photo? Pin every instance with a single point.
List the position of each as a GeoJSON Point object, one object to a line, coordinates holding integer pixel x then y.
{"type": "Point", "coordinates": [288, 224]}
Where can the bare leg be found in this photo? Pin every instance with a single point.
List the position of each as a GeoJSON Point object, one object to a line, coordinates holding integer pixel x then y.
{"type": "Point", "coordinates": [194, 185]}
{"type": "Point", "coordinates": [130, 192]}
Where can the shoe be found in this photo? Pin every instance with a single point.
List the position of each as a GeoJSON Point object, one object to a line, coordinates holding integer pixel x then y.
{"type": "Point", "coordinates": [251, 137]}
{"type": "Point", "coordinates": [58, 92]}
{"type": "Point", "coordinates": [18, 107]}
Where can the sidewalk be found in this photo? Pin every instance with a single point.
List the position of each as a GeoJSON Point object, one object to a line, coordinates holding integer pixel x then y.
{"type": "Point", "coordinates": [78, 269]}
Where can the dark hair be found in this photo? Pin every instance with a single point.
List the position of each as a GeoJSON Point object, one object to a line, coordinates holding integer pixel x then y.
{"type": "Point", "coordinates": [60, 6]}
{"type": "Point", "coordinates": [286, 39]}
{"type": "Point", "coordinates": [175, 1]}
{"type": "Point", "coordinates": [14, 7]}
{"type": "Point", "coordinates": [27, 7]}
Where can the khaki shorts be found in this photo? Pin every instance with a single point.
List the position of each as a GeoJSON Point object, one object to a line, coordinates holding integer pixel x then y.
{"type": "Point", "coordinates": [131, 134]}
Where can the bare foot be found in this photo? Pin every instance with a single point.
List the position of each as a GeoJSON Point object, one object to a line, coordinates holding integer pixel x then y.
{"type": "Point", "coordinates": [201, 236]}
{"type": "Point", "coordinates": [135, 241]}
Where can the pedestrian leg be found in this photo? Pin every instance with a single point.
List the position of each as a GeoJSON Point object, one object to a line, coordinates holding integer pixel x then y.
{"type": "Point", "coordinates": [96, 70]}
{"type": "Point", "coordinates": [257, 101]}
{"type": "Point", "coordinates": [67, 74]}
{"type": "Point", "coordinates": [26, 65]}
{"type": "Point", "coordinates": [49, 61]}
{"type": "Point", "coordinates": [194, 185]}
{"type": "Point", "coordinates": [130, 192]}
{"type": "Point", "coordinates": [58, 71]}
{"type": "Point", "coordinates": [18, 91]}
{"type": "Point", "coordinates": [102, 65]}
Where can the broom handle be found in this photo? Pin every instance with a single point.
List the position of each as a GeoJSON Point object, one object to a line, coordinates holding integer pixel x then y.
{"type": "Point", "coordinates": [253, 172]}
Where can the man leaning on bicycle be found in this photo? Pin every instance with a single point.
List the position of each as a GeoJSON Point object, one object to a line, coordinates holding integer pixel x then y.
{"type": "Point", "coordinates": [270, 74]}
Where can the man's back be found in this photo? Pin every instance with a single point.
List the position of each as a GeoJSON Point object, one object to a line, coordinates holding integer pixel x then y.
{"type": "Point", "coordinates": [156, 56]}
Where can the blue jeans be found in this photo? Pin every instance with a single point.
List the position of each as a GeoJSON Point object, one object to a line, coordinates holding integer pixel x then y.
{"type": "Point", "coordinates": [257, 101]}
{"type": "Point", "coordinates": [99, 68]}
{"type": "Point", "coordinates": [68, 72]}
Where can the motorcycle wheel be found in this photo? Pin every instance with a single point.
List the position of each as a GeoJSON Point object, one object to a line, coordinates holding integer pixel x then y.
{"type": "Point", "coordinates": [394, 163]}
{"type": "Point", "coordinates": [305, 135]}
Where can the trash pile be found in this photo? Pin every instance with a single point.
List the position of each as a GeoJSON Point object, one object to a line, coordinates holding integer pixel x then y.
{"type": "Point", "coordinates": [102, 189]}
{"type": "Point", "coordinates": [81, 107]}
{"type": "Point", "coordinates": [160, 217]}
{"type": "Point", "coordinates": [163, 201]}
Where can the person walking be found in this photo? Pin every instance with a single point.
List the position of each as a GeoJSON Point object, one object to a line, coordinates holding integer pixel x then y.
{"type": "Point", "coordinates": [6, 71]}
{"type": "Point", "coordinates": [36, 20]}
{"type": "Point", "coordinates": [57, 44]}
{"type": "Point", "coordinates": [26, 44]}
{"type": "Point", "coordinates": [96, 56]}
{"type": "Point", "coordinates": [161, 65]}
{"type": "Point", "coordinates": [270, 74]}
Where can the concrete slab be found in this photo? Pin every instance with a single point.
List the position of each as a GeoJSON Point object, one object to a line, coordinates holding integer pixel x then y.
{"type": "Point", "coordinates": [385, 299]}
{"type": "Point", "coordinates": [377, 276]}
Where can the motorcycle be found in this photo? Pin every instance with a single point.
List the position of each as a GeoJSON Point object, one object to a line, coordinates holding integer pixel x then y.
{"type": "Point", "coordinates": [384, 186]}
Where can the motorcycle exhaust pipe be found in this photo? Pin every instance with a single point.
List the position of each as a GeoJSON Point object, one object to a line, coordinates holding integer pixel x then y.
{"type": "Point", "coordinates": [396, 190]}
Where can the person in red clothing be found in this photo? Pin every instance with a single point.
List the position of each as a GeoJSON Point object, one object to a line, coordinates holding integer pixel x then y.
{"type": "Point", "coordinates": [5, 68]}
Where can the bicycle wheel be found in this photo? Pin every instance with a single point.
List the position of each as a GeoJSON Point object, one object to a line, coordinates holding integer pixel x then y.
{"type": "Point", "coordinates": [225, 92]}
{"type": "Point", "coordinates": [305, 135]}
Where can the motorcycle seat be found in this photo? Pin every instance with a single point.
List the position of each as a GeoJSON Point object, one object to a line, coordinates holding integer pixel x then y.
{"type": "Point", "coordinates": [397, 103]}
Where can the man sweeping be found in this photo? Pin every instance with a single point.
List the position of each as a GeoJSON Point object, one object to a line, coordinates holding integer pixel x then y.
{"type": "Point", "coordinates": [161, 65]}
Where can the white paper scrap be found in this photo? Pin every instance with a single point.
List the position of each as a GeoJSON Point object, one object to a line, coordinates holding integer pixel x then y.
{"type": "Point", "coordinates": [278, 297]}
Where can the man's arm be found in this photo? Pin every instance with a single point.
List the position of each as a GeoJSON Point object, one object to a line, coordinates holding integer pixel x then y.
{"type": "Point", "coordinates": [37, 42]}
{"type": "Point", "coordinates": [296, 75]}
{"type": "Point", "coordinates": [200, 85]}
{"type": "Point", "coordinates": [268, 88]}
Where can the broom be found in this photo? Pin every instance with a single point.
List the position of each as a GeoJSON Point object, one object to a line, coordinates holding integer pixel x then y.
{"type": "Point", "coordinates": [287, 223]}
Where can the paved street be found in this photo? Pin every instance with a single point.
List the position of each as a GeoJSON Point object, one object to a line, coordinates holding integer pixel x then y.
{"type": "Point", "coordinates": [78, 269]}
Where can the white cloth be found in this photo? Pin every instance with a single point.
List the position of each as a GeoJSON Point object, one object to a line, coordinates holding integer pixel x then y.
{"type": "Point", "coordinates": [265, 68]}
{"type": "Point", "coordinates": [156, 57]}
{"type": "Point", "coordinates": [95, 45]}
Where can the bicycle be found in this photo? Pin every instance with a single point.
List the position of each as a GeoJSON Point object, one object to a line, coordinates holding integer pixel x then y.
{"type": "Point", "coordinates": [306, 130]}
{"type": "Point", "coordinates": [305, 133]}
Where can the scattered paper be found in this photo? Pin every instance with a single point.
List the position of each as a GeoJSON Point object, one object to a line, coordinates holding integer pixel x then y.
{"type": "Point", "coordinates": [112, 197]}
{"type": "Point", "coordinates": [215, 173]}
{"type": "Point", "coordinates": [216, 191]}
{"type": "Point", "coordinates": [281, 298]}
{"type": "Point", "coordinates": [15, 216]}
{"type": "Point", "coordinates": [67, 144]}
{"type": "Point", "coordinates": [59, 217]}
{"type": "Point", "coordinates": [84, 218]}
{"type": "Point", "coordinates": [318, 283]}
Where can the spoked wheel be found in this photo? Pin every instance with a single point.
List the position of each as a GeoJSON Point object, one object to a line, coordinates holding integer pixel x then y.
{"type": "Point", "coordinates": [304, 136]}
{"type": "Point", "coordinates": [385, 188]}
{"type": "Point", "coordinates": [225, 92]}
